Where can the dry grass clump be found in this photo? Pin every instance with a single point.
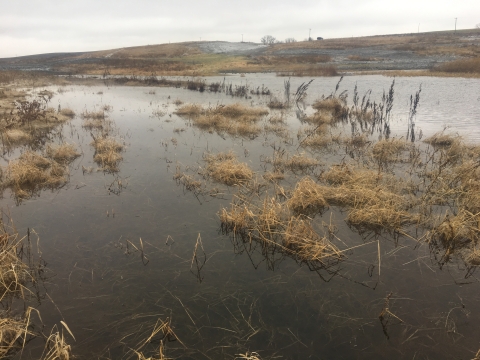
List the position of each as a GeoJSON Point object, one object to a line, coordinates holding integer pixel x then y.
{"type": "Point", "coordinates": [32, 172]}
{"type": "Point", "coordinates": [276, 230]}
{"type": "Point", "coordinates": [279, 130]}
{"type": "Point", "coordinates": [382, 215]}
{"type": "Point", "coordinates": [471, 66]}
{"type": "Point", "coordinates": [14, 273]}
{"type": "Point", "coordinates": [190, 110]}
{"type": "Point", "coordinates": [235, 119]}
{"type": "Point", "coordinates": [96, 120]}
{"type": "Point", "coordinates": [274, 103]}
{"type": "Point", "coordinates": [356, 141]}
{"type": "Point", "coordinates": [63, 154]}
{"type": "Point", "coordinates": [459, 230]}
{"type": "Point", "coordinates": [319, 117]}
{"type": "Point", "coordinates": [107, 153]}
{"type": "Point", "coordinates": [307, 198]}
{"type": "Point", "coordinates": [385, 151]}
{"type": "Point", "coordinates": [225, 168]}
{"type": "Point", "coordinates": [238, 110]}
{"type": "Point", "coordinates": [17, 135]}
{"type": "Point", "coordinates": [13, 334]}
{"type": "Point", "coordinates": [231, 111]}
{"type": "Point", "coordinates": [93, 115]}
{"type": "Point", "coordinates": [67, 112]}
{"type": "Point", "coordinates": [442, 139]}
{"type": "Point", "coordinates": [298, 162]}
{"type": "Point", "coordinates": [335, 106]}
{"type": "Point", "coordinates": [187, 181]}
{"type": "Point", "coordinates": [308, 245]}
{"type": "Point", "coordinates": [273, 176]}
{"type": "Point", "coordinates": [56, 347]}
{"type": "Point", "coordinates": [458, 234]}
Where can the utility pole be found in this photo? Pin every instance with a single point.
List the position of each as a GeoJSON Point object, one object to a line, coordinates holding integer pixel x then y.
{"type": "Point", "coordinates": [242, 38]}
{"type": "Point", "coordinates": [455, 24]}
{"type": "Point", "coordinates": [309, 38]}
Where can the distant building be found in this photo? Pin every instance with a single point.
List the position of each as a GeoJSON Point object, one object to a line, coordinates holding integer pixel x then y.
{"type": "Point", "coordinates": [319, 38]}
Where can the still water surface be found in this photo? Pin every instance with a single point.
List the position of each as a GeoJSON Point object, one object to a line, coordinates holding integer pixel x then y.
{"type": "Point", "coordinates": [111, 297]}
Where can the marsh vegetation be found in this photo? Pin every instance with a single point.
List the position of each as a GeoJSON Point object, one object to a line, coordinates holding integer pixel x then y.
{"type": "Point", "coordinates": [202, 224]}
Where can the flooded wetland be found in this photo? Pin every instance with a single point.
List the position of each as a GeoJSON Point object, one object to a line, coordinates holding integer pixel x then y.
{"type": "Point", "coordinates": [259, 217]}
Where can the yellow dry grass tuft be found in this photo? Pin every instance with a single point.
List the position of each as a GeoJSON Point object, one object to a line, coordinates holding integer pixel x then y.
{"type": "Point", "coordinates": [234, 119]}
{"type": "Point", "coordinates": [225, 168]}
{"type": "Point", "coordinates": [63, 154]}
{"type": "Point", "coordinates": [442, 139]}
{"type": "Point", "coordinates": [388, 150]}
{"type": "Point", "coordinates": [17, 135]}
{"type": "Point", "coordinates": [67, 112]}
{"type": "Point", "coordinates": [107, 153]}
{"type": "Point", "coordinates": [32, 172]}
{"type": "Point", "coordinates": [307, 198]}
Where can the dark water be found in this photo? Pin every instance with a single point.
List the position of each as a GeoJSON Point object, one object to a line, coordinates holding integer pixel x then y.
{"type": "Point", "coordinates": [111, 300]}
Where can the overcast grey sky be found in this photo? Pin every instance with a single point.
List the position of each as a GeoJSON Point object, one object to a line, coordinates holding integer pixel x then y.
{"type": "Point", "coordinates": [34, 26]}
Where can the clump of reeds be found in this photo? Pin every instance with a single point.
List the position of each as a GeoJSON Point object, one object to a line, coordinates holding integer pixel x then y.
{"type": "Point", "coordinates": [297, 162]}
{"type": "Point", "coordinates": [226, 169]}
{"type": "Point", "coordinates": [388, 150]}
{"type": "Point", "coordinates": [164, 330]}
{"type": "Point", "coordinates": [32, 172]}
{"type": "Point", "coordinates": [187, 181]}
{"type": "Point", "coordinates": [64, 153]}
{"type": "Point", "coordinates": [67, 112]}
{"type": "Point", "coordinates": [56, 347]}
{"type": "Point", "coordinates": [189, 110]}
{"type": "Point", "coordinates": [107, 153]}
{"type": "Point", "coordinates": [273, 176]}
{"type": "Point", "coordinates": [307, 244]}
{"type": "Point", "coordinates": [307, 198]}
{"type": "Point", "coordinates": [460, 66]}
{"type": "Point", "coordinates": [17, 135]}
{"type": "Point", "coordinates": [442, 139]}
{"type": "Point", "coordinates": [234, 119]}
{"type": "Point", "coordinates": [13, 334]}
{"type": "Point", "coordinates": [271, 225]}
{"type": "Point", "coordinates": [335, 106]}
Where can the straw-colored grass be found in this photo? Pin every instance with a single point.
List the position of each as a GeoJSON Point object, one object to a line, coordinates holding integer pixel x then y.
{"type": "Point", "coordinates": [107, 153]}
{"type": "Point", "coordinates": [67, 112]}
{"type": "Point", "coordinates": [333, 106]}
{"type": "Point", "coordinates": [64, 153]}
{"type": "Point", "coordinates": [56, 347]}
{"type": "Point", "coordinates": [307, 198]}
{"type": "Point", "coordinates": [32, 172]}
{"type": "Point", "coordinates": [225, 168]}
{"type": "Point", "coordinates": [442, 139]}
{"type": "Point", "coordinates": [273, 226]}
{"type": "Point", "coordinates": [13, 334]}
{"type": "Point", "coordinates": [298, 162]}
{"type": "Point", "coordinates": [235, 119]}
{"type": "Point", "coordinates": [388, 150]}
{"type": "Point", "coordinates": [307, 244]}
{"type": "Point", "coordinates": [100, 114]}
{"type": "Point", "coordinates": [273, 176]}
{"type": "Point", "coordinates": [17, 135]}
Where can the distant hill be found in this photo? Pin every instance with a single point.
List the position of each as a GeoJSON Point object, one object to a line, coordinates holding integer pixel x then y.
{"type": "Point", "coordinates": [421, 51]}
